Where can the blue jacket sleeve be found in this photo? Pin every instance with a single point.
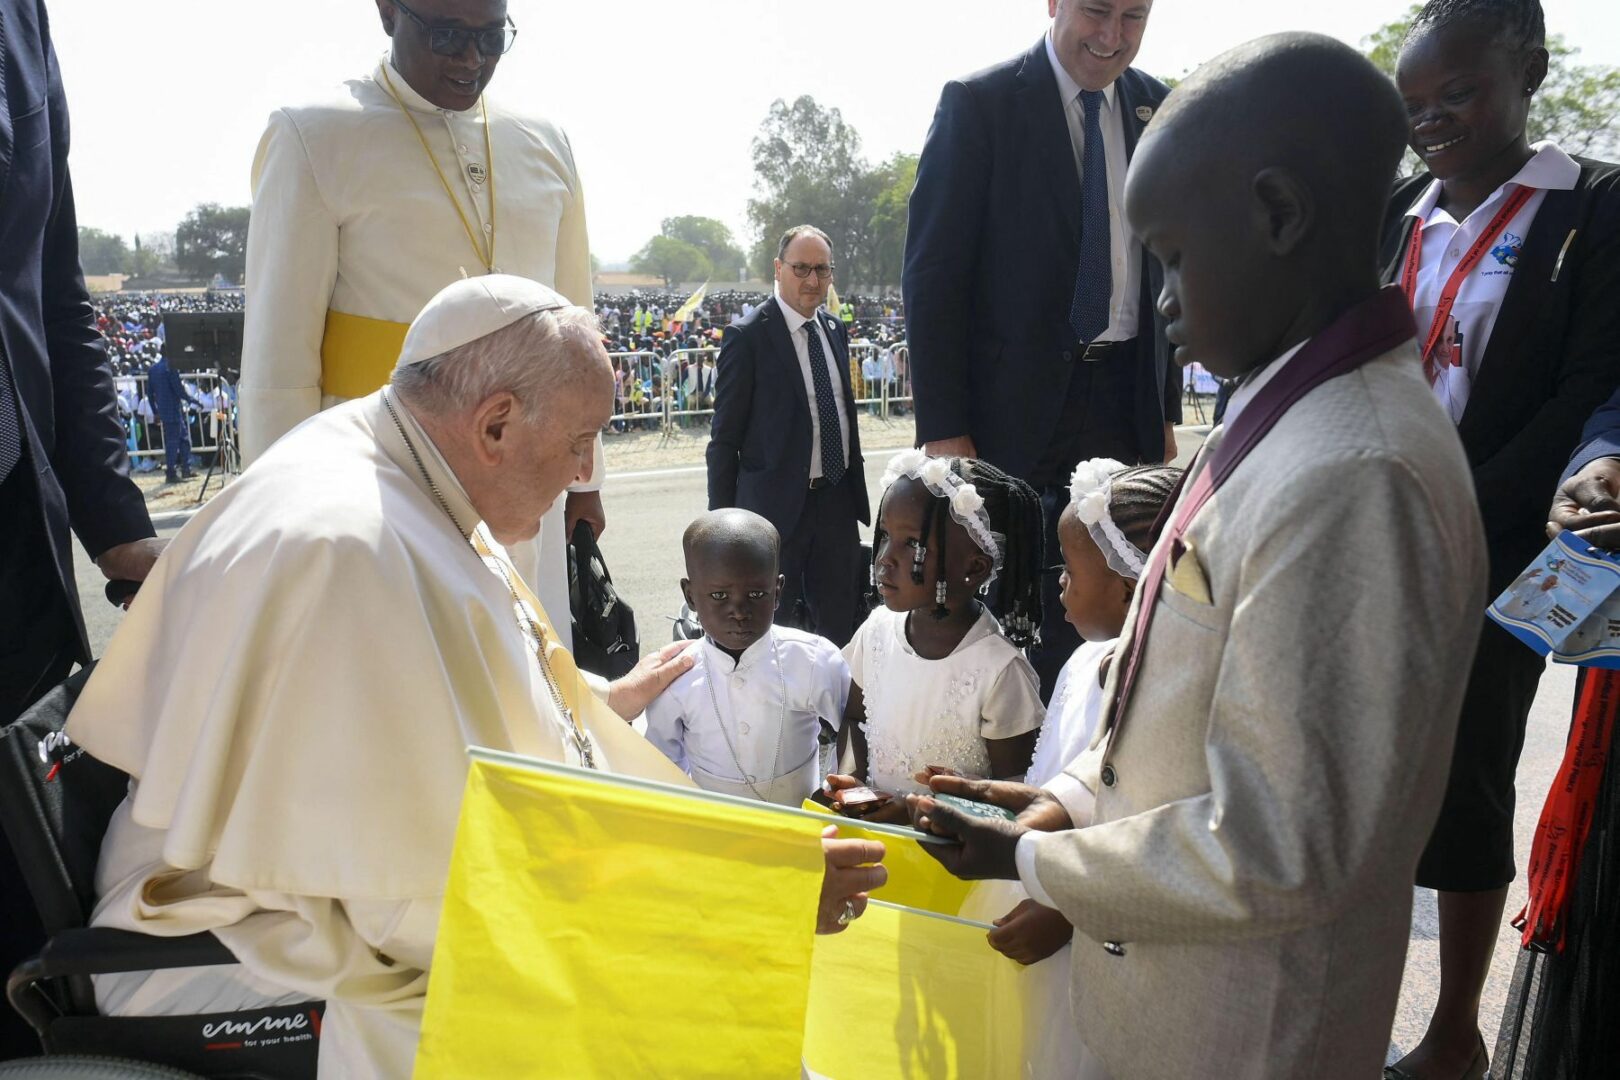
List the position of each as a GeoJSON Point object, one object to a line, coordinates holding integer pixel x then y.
{"type": "Point", "coordinates": [1599, 439]}
{"type": "Point", "coordinates": [945, 221]}
{"type": "Point", "coordinates": [733, 400]}
{"type": "Point", "coordinates": [90, 459]}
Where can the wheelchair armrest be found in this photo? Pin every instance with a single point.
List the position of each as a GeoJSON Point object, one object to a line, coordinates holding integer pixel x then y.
{"type": "Point", "coordinates": [101, 950]}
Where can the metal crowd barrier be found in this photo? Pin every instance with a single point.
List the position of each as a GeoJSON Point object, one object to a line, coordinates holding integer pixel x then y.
{"type": "Point", "coordinates": [663, 393]}
{"type": "Point", "coordinates": [209, 429]}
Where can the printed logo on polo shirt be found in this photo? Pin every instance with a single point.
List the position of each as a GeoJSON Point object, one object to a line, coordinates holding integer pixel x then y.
{"type": "Point", "coordinates": [1507, 252]}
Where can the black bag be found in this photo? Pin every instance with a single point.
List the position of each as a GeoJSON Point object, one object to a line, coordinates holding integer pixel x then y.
{"type": "Point", "coordinates": [605, 641]}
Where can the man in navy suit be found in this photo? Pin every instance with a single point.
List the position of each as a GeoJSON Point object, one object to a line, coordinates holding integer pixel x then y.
{"type": "Point", "coordinates": [63, 463]}
{"type": "Point", "coordinates": [784, 442]}
{"type": "Point", "coordinates": [1030, 308]}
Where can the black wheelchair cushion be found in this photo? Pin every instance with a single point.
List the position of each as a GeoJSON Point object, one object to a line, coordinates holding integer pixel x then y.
{"type": "Point", "coordinates": [55, 807]}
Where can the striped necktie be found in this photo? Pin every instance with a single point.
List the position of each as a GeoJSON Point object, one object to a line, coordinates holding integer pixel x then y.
{"type": "Point", "coordinates": [1094, 281]}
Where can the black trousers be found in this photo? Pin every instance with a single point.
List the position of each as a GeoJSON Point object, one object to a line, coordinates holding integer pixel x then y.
{"type": "Point", "coordinates": [38, 645]}
{"type": "Point", "coordinates": [821, 562]}
{"type": "Point", "coordinates": [1471, 848]}
{"type": "Point", "coordinates": [1093, 424]}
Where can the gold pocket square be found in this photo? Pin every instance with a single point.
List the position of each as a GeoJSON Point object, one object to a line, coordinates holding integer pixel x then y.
{"type": "Point", "coordinates": [1187, 576]}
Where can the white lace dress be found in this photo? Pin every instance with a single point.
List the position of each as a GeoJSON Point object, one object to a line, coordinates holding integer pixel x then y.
{"type": "Point", "coordinates": [938, 712]}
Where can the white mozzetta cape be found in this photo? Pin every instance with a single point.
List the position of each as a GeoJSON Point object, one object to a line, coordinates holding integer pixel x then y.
{"type": "Point", "coordinates": [293, 692]}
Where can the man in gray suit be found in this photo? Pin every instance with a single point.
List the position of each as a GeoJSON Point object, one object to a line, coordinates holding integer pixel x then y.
{"type": "Point", "coordinates": [1237, 848]}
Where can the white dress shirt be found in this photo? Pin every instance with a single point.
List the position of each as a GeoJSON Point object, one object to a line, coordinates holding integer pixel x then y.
{"type": "Point", "coordinates": [1127, 256]}
{"type": "Point", "coordinates": [1480, 295]}
{"type": "Point", "coordinates": [710, 747]}
{"type": "Point", "coordinates": [801, 348]}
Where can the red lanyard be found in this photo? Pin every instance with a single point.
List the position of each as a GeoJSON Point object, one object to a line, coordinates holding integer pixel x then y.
{"type": "Point", "coordinates": [1476, 252]}
{"type": "Point", "coordinates": [1566, 817]}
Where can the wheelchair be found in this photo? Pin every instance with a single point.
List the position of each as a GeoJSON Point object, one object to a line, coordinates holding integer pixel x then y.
{"type": "Point", "coordinates": [55, 803]}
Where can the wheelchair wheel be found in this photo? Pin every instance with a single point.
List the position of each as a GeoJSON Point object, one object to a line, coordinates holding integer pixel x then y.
{"type": "Point", "coordinates": [80, 1067]}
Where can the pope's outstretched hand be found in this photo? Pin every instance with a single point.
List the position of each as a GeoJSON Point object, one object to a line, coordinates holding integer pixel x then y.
{"type": "Point", "coordinates": [853, 870]}
{"type": "Point", "coordinates": [630, 696]}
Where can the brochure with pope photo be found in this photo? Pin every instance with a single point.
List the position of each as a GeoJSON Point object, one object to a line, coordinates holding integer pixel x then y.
{"type": "Point", "coordinates": [1566, 604]}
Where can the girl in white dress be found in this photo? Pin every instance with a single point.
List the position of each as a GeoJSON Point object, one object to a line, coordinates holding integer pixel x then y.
{"type": "Point", "coordinates": [937, 681]}
{"type": "Point", "coordinates": [1104, 533]}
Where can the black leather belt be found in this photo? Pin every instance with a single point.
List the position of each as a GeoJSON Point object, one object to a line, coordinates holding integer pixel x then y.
{"type": "Point", "coordinates": [819, 482]}
{"type": "Point", "coordinates": [1096, 351]}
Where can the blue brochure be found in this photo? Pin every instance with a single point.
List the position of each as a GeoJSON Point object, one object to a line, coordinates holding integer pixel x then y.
{"type": "Point", "coordinates": [1566, 604]}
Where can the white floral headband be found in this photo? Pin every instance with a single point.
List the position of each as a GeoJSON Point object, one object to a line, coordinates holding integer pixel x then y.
{"type": "Point", "coordinates": [1088, 491]}
{"type": "Point", "coordinates": [963, 500]}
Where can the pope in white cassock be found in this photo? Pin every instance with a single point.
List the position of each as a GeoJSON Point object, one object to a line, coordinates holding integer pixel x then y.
{"type": "Point", "coordinates": [351, 599]}
{"type": "Point", "coordinates": [367, 205]}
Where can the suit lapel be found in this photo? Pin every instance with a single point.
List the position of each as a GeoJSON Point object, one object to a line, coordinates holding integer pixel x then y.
{"type": "Point", "coordinates": [787, 356]}
{"type": "Point", "coordinates": [1528, 297]}
{"type": "Point", "coordinates": [1134, 111]}
{"type": "Point", "coordinates": [1047, 129]}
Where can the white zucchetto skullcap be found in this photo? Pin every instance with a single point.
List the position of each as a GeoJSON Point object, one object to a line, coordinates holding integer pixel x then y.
{"type": "Point", "coordinates": [470, 309]}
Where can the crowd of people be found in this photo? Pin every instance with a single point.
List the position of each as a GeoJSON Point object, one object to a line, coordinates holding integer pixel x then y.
{"type": "Point", "coordinates": [131, 323]}
{"type": "Point", "coordinates": [1195, 734]}
{"type": "Point", "coordinates": [663, 366]}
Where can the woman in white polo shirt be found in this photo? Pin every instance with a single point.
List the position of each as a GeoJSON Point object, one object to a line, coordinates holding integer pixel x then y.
{"type": "Point", "coordinates": [1510, 253]}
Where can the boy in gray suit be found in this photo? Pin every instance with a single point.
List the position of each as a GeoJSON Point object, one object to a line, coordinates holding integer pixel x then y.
{"type": "Point", "coordinates": [1238, 845]}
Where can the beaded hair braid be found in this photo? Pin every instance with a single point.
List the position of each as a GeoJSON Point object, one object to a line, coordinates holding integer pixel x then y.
{"type": "Point", "coordinates": [1015, 513]}
{"type": "Point", "coordinates": [1014, 510]}
{"type": "Point", "coordinates": [1519, 22]}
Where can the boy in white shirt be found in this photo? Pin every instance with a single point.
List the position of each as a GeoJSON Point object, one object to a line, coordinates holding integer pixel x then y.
{"type": "Point", "coordinates": [758, 713]}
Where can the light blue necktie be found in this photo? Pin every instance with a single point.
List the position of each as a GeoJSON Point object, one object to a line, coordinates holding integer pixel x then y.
{"type": "Point", "coordinates": [1094, 281]}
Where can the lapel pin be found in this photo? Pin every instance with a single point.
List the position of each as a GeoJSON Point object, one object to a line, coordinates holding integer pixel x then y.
{"type": "Point", "coordinates": [1144, 113]}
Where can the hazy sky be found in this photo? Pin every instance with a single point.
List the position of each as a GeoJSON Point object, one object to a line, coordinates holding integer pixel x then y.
{"type": "Point", "coordinates": [660, 98]}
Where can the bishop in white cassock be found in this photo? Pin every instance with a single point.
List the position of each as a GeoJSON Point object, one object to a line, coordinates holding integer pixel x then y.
{"type": "Point", "coordinates": [367, 205]}
{"type": "Point", "coordinates": [351, 597]}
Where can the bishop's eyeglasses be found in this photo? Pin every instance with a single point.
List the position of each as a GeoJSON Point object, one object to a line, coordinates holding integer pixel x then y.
{"type": "Point", "coordinates": [452, 40]}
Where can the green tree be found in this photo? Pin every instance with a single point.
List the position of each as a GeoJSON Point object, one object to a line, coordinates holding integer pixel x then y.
{"type": "Point", "coordinates": [897, 176]}
{"type": "Point", "coordinates": [808, 170]}
{"type": "Point", "coordinates": [153, 254]}
{"type": "Point", "coordinates": [710, 237]}
{"type": "Point", "coordinates": [102, 252]}
{"type": "Point", "coordinates": [673, 260]}
{"type": "Point", "coordinates": [212, 239]}
{"type": "Point", "coordinates": [1578, 107]}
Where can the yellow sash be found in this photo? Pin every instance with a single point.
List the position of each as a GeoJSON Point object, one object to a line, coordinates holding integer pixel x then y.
{"type": "Point", "coordinates": [358, 354]}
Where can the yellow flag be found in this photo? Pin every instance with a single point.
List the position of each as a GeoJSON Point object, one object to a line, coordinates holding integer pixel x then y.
{"type": "Point", "coordinates": [832, 305]}
{"type": "Point", "coordinates": [916, 880]}
{"type": "Point", "coordinates": [905, 993]}
{"type": "Point", "coordinates": [602, 926]}
{"type": "Point", "coordinates": [691, 304]}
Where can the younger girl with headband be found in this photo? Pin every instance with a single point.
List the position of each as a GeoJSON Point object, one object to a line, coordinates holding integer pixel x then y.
{"type": "Point", "coordinates": [937, 681]}
{"type": "Point", "coordinates": [1105, 533]}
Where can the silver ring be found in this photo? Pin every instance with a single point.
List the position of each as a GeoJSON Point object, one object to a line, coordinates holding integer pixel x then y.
{"type": "Point", "coordinates": [847, 916]}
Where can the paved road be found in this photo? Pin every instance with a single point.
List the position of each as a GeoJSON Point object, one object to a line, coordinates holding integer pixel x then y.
{"type": "Point", "coordinates": [646, 514]}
